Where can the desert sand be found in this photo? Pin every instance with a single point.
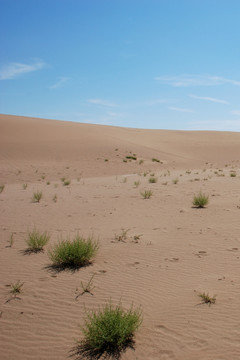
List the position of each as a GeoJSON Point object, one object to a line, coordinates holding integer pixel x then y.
{"type": "Point", "coordinates": [172, 251]}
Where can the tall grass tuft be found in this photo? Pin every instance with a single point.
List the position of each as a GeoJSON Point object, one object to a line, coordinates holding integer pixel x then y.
{"type": "Point", "coordinates": [200, 200]}
{"type": "Point", "coordinates": [73, 254]}
{"type": "Point", "coordinates": [109, 331]}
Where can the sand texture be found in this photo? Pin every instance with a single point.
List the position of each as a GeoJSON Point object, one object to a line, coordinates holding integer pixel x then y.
{"type": "Point", "coordinates": [172, 251]}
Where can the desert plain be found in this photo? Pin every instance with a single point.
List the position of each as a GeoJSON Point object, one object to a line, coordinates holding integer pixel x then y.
{"type": "Point", "coordinates": [158, 254]}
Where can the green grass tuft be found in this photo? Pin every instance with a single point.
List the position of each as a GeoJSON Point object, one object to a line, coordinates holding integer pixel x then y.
{"type": "Point", "coordinates": [146, 194]}
{"type": "Point", "coordinates": [109, 331]}
{"type": "Point", "coordinates": [73, 254]}
{"type": "Point", "coordinates": [206, 299]}
{"type": "Point", "coordinates": [37, 196]}
{"type": "Point", "coordinates": [152, 180]}
{"type": "Point", "coordinates": [200, 200]}
{"type": "Point", "coordinates": [36, 241]}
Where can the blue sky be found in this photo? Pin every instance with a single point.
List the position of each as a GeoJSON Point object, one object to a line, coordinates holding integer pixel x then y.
{"type": "Point", "coordinates": [160, 64]}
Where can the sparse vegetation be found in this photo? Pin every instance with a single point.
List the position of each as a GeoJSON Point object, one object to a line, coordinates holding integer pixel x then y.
{"type": "Point", "coordinates": [146, 194]}
{"type": "Point", "coordinates": [123, 236]}
{"type": "Point", "coordinates": [152, 180]}
{"type": "Point", "coordinates": [55, 198]}
{"type": "Point", "coordinates": [37, 196]}
{"type": "Point", "coordinates": [16, 288]}
{"type": "Point", "coordinates": [86, 288]}
{"type": "Point", "coordinates": [36, 241]}
{"type": "Point", "coordinates": [141, 162]}
{"type": "Point", "coordinates": [11, 240]}
{"type": "Point", "coordinates": [66, 182]}
{"type": "Point", "coordinates": [155, 160]}
{"type": "Point", "coordinates": [175, 181]}
{"type": "Point", "coordinates": [24, 186]}
{"type": "Point", "coordinates": [200, 200]}
{"type": "Point", "coordinates": [136, 183]}
{"type": "Point", "coordinates": [233, 174]}
{"type": "Point", "coordinates": [73, 254]}
{"type": "Point", "coordinates": [2, 188]}
{"type": "Point", "coordinates": [109, 331]}
{"type": "Point", "coordinates": [206, 299]}
{"type": "Point", "coordinates": [131, 157]}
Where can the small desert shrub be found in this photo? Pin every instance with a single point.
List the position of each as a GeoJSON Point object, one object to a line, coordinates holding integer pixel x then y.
{"type": "Point", "coordinates": [136, 183]}
{"type": "Point", "coordinates": [141, 162]}
{"type": "Point", "coordinates": [175, 181]}
{"type": "Point", "coordinates": [55, 198]}
{"type": "Point", "coordinates": [233, 174]}
{"type": "Point", "coordinates": [122, 236]}
{"type": "Point", "coordinates": [155, 160]}
{"type": "Point", "coordinates": [152, 180]}
{"type": "Point", "coordinates": [36, 241]}
{"type": "Point", "coordinates": [37, 196]}
{"type": "Point", "coordinates": [106, 160]}
{"type": "Point", "coordinates": [24, 186]}
{"type": "Point", "coordinates": [109, 331]}
{"type": "Point", "coordinates": [16, 288]}
{"type": "Point", "coordinates": [131, 157]}
{"type": "Point", "coordinates": [125, 160]}
{"type": "Point", "coordinates": [66, 182]}
{"type": "Point", "coordinates": [76, 253]}
{"type": "Point", "coordinates": [206, 299]}
{"type": "Point", "coordinates": [200, 200]}
{"type": "Point", "coordinates": [146, 194]}
{"type": "Point", "coordinates": [2, 188]}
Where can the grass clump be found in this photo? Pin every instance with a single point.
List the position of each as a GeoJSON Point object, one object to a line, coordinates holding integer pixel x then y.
{"type": "Point", "coordinates": [155, 160]}
{"type": "Point", "coordinates": [36, 241]}
{"type": "Point", "coordinates": [109, 331]}
{"type": "Point", "coordinates": [66, 182]}
{"type": "Point", "coordinates": [37, 196]}
{"type": "Point", "coordinates": [146, 194]}
{"type": "Point", "coordinates": [152, 180]}
{"type": "Point", "coordinates": [73, 254]}
{"type": "Point", "coordinates": [206, 299]}
{"type": "Point", "coordinates": [233, 174]}
{"type": "Point", "coordinates": [2, 188]}
{"type": "Point", "coordinates": [175, 181]}
{"type": "Point", "coordinates": [131, 157]}
{"type": "Point", "coordinates": [200, 200]}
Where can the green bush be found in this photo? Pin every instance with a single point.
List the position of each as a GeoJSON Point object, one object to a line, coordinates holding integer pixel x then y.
{"type": "Point", "coordinates": [200, 200]}
{"type": "Point", "coordinates": [109, 331]}
{"type": "Point", "coordinates": [146, 194]}
{"type": "Point", "coordinates": [36, 241]}
{"type": "Point", "coordinates": [73, 254]}
{"type": "Point", "coordinates": [37, 196]}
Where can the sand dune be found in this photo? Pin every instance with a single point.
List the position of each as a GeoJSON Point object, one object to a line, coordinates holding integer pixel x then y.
{"type": "Point", "coordinates": [172, 253]}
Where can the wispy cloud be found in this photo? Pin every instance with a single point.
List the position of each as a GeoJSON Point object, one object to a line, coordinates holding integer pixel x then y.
{"type": "Point", "coordinates": [209, 99]}
{"type": "Point", "coordinates": [188, 80]}
{"type": "Point", "coordinates": [59, 83]}
{"type": "Point", "coordinates": [235, 112]}
{"type": "Point", "coordinates": [101, 102]}
{"type": "Point", "coordinates": [13, 70]}
{"type": "Point", "coordinates": [180, 109]}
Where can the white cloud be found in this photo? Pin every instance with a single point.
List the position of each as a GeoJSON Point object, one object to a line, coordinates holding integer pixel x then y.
{"type": "Point", "coordinates": [188, 80]}
{"type": "Point", "coordinates": [180, 109]}
{"type": "Point", "coordinates": [209, 99]}
{"type": "Point", "coordinates": [101, 102]}
{"type": "Point", "coordinates": [13, 70]}
{"type": "Point", "coordinates": [59, 83]}
{"type": "Point", "coordinates": [235, 112]}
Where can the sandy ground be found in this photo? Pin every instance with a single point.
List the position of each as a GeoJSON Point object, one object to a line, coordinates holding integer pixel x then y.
{"type": "Point", "coordinates": [172, 252]}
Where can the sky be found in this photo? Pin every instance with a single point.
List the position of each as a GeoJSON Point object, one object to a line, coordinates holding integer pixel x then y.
{"type": "Point", "coordinates": [158, 64]}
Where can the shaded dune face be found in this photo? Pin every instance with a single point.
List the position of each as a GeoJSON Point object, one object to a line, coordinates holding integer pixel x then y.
{"type": "Point", "coordinates": [161, 253]}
